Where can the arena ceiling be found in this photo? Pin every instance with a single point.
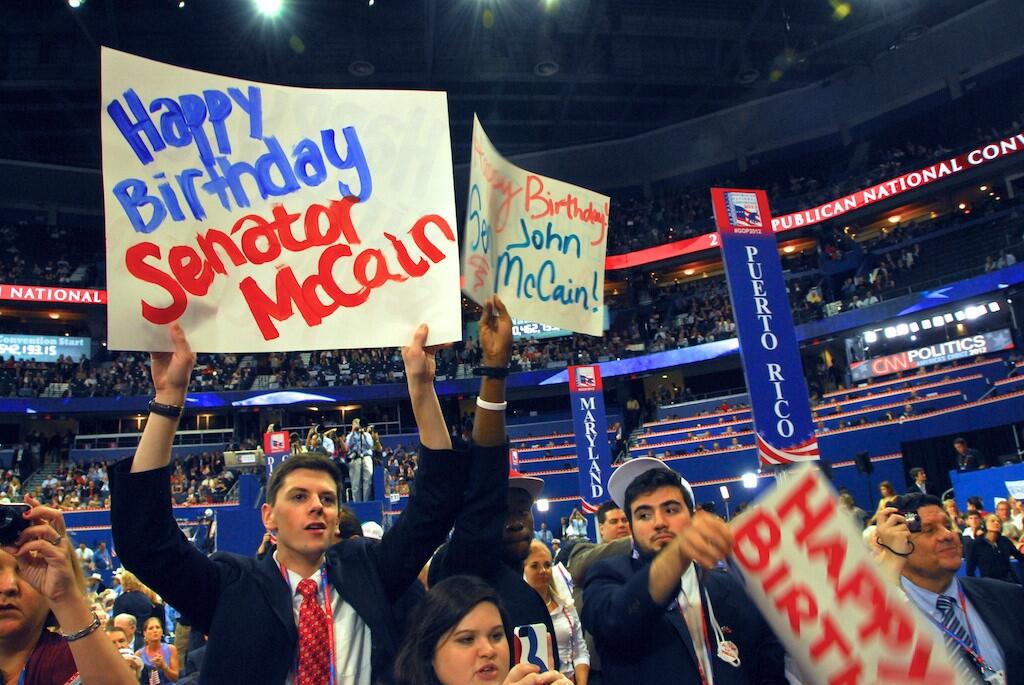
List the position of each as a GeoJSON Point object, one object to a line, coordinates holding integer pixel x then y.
{"type": "Point", "coordinates": [540, 73]}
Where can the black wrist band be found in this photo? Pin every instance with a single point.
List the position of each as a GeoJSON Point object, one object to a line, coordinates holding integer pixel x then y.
{"type": "Point", "coordinates": [491, 371]}
{"type": "Point", "coordinates": [171, 411]}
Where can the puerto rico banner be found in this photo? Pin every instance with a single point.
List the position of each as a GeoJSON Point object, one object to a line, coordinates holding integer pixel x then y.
{"type": "Point", "coordinates": [591, 428]}
{"type": "Point", "coordinates": [267, 218]}
{"type": "Point", "coordinates": [764, 326]}
{"type": "Point", "coordinates": [276, 448]}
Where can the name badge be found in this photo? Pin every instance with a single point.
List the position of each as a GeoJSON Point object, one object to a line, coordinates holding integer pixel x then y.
{"type": "Point", "coordinates": [729, 653]}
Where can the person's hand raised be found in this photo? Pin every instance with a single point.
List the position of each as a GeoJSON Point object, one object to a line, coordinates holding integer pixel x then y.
{"type": "Point", "coordinates": [707, 540]}
{"type": "Point", "coordinates": [173, 370]}
{"type": "Point", "coordinates": [420, 365]}
{"type": "Point", "coordinates": [44, 554]}
{"type": "Point", "coordinates": [495, 333]}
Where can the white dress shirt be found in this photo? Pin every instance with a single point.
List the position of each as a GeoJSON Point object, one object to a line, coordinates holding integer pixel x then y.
{"type": "Point", "coordinates": [351, 634]}
{"type": "Point", "coordinates": [690, 603]}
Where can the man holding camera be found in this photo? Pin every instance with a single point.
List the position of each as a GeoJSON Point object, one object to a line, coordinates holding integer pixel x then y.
{"type": "Point", "coordinates": [978, 617]}
{"type": "Point", "coordinates": [360, 462]}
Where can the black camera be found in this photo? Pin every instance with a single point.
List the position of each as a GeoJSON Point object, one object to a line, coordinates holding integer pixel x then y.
{"type": "Point", "coordinates": [12, 522]}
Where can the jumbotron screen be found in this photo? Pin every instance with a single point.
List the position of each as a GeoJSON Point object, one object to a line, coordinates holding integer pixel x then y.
{"type": "Point", "coordinates": [43, 348]}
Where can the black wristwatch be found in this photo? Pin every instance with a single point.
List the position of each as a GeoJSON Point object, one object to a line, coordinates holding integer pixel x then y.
{"type": "Point", "coordinates": [171, 411]}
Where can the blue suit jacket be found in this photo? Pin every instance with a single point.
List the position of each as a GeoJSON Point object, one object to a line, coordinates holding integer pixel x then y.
{"type": "Point", "coordinates": [643, 642]}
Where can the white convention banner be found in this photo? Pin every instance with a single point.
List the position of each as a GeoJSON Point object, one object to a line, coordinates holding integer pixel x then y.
{"type": "Point", "coordinates": [538, 242]}
{"type": "Point", "coordinates": [815, 582]}
{"type": "Point", "coordinates": [265, 217]}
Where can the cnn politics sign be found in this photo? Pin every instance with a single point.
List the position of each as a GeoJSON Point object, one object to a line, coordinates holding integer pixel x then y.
{"type": "Point", "coordinates": [940, 353]}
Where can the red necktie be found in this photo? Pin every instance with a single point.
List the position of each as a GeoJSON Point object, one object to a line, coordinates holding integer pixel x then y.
{"type": "Point", "coordinates": [314, 666]}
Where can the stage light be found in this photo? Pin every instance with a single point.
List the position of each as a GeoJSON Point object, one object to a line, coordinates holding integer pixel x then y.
{"type": "Point", "coordinates": [724, 490]}
{"type": "Point", "coordinates": [54, 315]}
{"type": "Point", "coordinates": [749, 480]}
{"type": "Point", "coordinates": [181, 4]}
{"type": "Point", "coordinates": [938, 321]}
{"type": "Point", "coordinates": [890, 332]}
{"type": "Point", "coordinates": [913, 338]}
{"type": "Point", "coordinates": [960, 315]}
{"type": "Point", "coordinates": [993, 307]}
{"type": "Point", "coordinates": [688, 272]}
{"type": "Point", "coordinates": [926, 324]}
{"type": "Point", "coordinates": [543, 505]}
{"type": "Point", "coordinates": [962, 205]}
{"type": "Point", "coordinates": [983, 188]}
{"type": "Point", "coordinates": [947, 317]}
{"type": "Point", "coordinates": [269, 8]}
{"type": "Point", "coordinates": [894, 219]}
{"type": "Point", "coordinates": [902, 329]}
{"type": "Point", "coordinates": [914, 328]}
{"type": "Point", "coordinates": [789, 249]}
{"type": "Point", "coordinates": [870, 337]}
{"type": "Point", "coordinates": [75, 4]}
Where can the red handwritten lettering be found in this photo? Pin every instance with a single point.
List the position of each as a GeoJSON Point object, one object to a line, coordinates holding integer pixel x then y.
{"type": "Point", "coordinates": [888, 621]}
{"type": "Point", "coordinates": [569, 206]}
{"type": "Point", "coordinates": [799, 605]}
{"type": "Point", "coordinates": [759, 535]}
{"type": "Point", "coordinates": [256, 240]}
{"type": "Point", "coordinates": [812, 520]}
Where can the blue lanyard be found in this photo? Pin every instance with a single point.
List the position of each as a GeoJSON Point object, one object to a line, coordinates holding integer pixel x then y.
{"type": "Point", "coordinates": [975, 654]}
{"type": "Point", "coordinates": [327, 610]}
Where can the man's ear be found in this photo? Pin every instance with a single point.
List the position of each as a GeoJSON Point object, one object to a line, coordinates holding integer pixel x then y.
{"type": "Point", "coordinates": [266, 514]}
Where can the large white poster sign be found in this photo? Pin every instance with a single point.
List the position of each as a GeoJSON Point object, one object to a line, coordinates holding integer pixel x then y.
{"type": "Point", "coordinates": [813, 579]}
{"type": "Point", "coordinates": [266, 217]}
{"type": "Point", "coordinates": [538, 242]}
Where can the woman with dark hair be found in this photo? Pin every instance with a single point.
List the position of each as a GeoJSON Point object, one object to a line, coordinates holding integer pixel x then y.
{"type": "Point", "coordinates": [457, 637]}
{"type": "Point", "coordinates": [888, 493]}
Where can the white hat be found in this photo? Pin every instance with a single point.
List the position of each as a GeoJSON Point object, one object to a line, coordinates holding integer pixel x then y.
{"type": "Point", "coordinates": [623, 476]}
{"type": "Point", "coordinates": [95, 576]}
{"type": "Point", "coordinates": [372, 529]}
{"type": "Point", "coordinates": [532, 484]}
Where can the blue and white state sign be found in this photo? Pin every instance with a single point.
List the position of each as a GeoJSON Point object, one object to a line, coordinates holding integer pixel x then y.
{"type": "Point", "coordinates": [764, 323]}
{"type": "Point", "coordinates": [591, 428]}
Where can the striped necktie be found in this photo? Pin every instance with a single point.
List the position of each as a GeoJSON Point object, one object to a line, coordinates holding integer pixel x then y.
{"type": "Point", "coordinates": [953, 627]}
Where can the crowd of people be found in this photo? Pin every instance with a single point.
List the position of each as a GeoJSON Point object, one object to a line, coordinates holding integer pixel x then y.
{"type": "Point", "coordinates": [461, 584]}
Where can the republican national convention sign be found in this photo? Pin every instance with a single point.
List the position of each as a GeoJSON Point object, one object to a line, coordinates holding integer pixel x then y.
{"type": "Point", "coordinates": [764, 326]}
{"type": "Point", "coordinates": [591, 427]}
{"type": "Point", "coordinates": [270, 218]}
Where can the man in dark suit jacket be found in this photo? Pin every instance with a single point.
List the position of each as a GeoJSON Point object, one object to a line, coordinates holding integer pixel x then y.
{"type": "Point", "coordinates": [246, 606]}
{"type": "Point", "coordinates": [993, 607]}
{"type": "Point", "coordinates": [919, 482]}
{"type": "Point", "coordinates": [494, 530]}
{"type": "Point", "coordinates": [655, 616]}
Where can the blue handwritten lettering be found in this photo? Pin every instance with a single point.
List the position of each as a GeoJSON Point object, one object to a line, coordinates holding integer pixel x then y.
{"type": "Point", "coordinates": [132, 195]}
{"type": "Point", "coordinates": [132, 131]}
{"type": "Point", "coordinates": [482, 237]}
{"type": "Point", "coordinates": [356, 159]}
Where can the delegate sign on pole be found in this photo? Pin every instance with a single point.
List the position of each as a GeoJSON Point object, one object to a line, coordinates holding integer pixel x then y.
{"type": "Point", "coordinates": [809, 573]}
{"type": "Point", "coordinates": [266, 218]}
{"type": "Point", "coordinates": [591, 427]}
{"type": "Point", "coordinates": [764, 326]}
{"type": "Point", "coordinates": [538, 242]}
